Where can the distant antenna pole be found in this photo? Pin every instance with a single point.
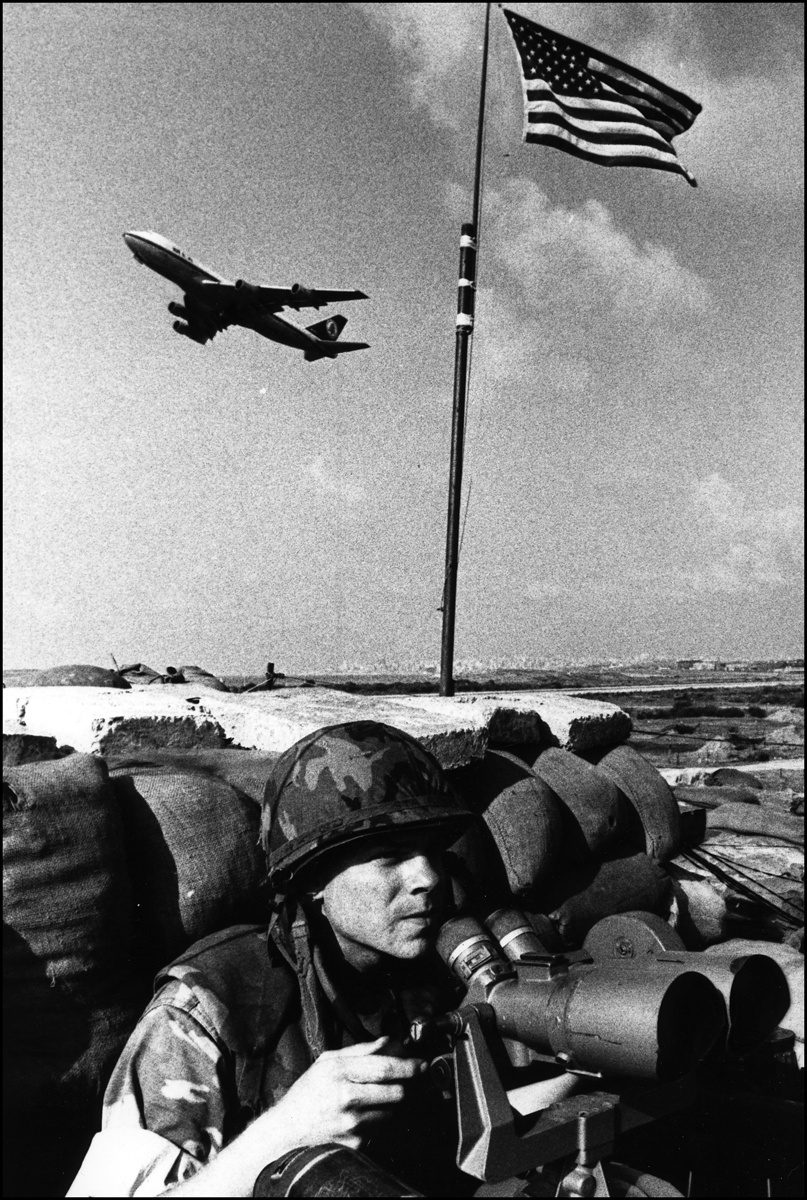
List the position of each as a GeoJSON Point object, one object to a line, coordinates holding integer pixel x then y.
{"type": "Point", "coordinates": [465, 325]}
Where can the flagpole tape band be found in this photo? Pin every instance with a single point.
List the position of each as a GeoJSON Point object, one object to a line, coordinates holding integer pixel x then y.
{"type": "Point", "coordinates": [465, 319]}
{"type": "Point", "coordinates": [467, 241]}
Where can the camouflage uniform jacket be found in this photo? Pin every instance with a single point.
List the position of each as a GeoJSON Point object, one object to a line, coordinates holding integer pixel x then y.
{"type": "Point", "coordinates": [224, 1038]}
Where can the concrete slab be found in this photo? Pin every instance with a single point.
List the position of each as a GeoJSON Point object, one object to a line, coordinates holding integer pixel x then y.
{"type": "Point", "coordinates": [456, 730]}
{"type": "Point", "coordinates": [107, 720]}
{"type": "Point", "coordinates": [275, 720]}
{"type": "Point", "coordinates": [548, 718]}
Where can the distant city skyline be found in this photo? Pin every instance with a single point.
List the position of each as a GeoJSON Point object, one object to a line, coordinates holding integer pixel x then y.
{"type": "Point", "coordinates": [634, 465]}
{"type": "Point", "coordinates": [475, 667]}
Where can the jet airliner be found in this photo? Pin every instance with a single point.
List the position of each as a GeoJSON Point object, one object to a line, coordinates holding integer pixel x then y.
{"type": "Point", "coordinates": [212, 303]}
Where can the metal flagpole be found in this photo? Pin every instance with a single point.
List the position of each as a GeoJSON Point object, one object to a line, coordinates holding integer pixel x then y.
{"type": "Point", "coordinates": [466, 297]}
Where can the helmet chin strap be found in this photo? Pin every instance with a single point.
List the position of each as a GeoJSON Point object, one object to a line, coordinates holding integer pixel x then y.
{"type": "Point", "coordinates": [276, 906]}
{"type": "Point", "coordinates": [289, 933]}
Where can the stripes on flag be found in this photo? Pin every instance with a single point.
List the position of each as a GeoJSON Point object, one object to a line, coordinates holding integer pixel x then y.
{"type": "Point", "coordinates": [588, 104]}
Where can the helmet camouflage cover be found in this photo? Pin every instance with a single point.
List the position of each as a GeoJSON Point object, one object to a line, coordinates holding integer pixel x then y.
{"type": "Point", "coordinates": [346, 782]}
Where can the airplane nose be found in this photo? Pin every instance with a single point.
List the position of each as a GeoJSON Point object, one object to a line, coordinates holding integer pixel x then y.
{"type": "Point", "coordinates": [131, 241]}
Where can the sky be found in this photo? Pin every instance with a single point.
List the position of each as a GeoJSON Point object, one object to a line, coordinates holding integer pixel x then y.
{"type": "Point", "coordinates": [633, 456]}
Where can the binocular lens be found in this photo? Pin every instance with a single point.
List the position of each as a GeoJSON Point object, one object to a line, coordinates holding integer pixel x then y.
{"type": "Point", "coordinates": [758, 999]}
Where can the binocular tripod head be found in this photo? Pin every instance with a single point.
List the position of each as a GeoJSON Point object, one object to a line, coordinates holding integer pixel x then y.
{"type": "Point", "coordinates": [632, 1006]}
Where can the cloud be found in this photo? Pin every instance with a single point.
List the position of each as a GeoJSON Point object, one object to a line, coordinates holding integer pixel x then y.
{"type": "Point", "coordinates": [327, 482]}
{"type": "Point", "coordinates": [746, 546]}
{"type": "Point", "coordinates": [511, 345]}
{"type": "Point", "coordinates": [434, 42]}
{"type": "Point", "coordinates": [583, 284]}
{"type": "Point", "coordinates": [579, 257]}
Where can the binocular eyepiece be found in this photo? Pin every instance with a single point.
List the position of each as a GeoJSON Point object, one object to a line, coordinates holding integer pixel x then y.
{"type": "Point", "coordinates": [471, 951]}
{"type": "Point", "coordinates": [652, 1015]}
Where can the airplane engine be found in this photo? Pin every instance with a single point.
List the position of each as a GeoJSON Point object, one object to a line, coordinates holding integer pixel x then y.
{"type": "Point", "coordinates": [302, 295]}
{"type": "Point", "coordinates": [178, 310]}
{"type": "Point", "coordinates": [247, 291]}
{"type": "Point", "coordinates": [187, 332]}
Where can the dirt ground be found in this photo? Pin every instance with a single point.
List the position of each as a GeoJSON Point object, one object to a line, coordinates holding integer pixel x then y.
{"type": "Point", "coordinates": [712, 726]}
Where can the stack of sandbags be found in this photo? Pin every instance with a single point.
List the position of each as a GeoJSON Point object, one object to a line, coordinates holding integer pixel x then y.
{"type": "Point", "coordinates": [71, 996]}
{"type": "Point", "coordinates": [183, 681]}
{"type": "Point", "coordinates": [108, 875]}
{"type": "Point", "coordinates": [570, 839]}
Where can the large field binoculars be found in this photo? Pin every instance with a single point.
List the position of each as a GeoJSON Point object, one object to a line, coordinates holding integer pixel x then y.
{"type": "Point", "coordinates": [632, 1006]}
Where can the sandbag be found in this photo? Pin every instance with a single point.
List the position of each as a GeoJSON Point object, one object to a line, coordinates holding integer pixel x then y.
{"type": "Point", "coordinates": [19, 748]}
{"type": "Point", "coordinates": [139, 673]}
{"type": "Point", "coordinates": [731, 777]}
{"type": "Point", "coordinates": [476, 874]}
{"type": "Point", "coordinates": [80, 675]}
{"type": "Point", "coordinates": [589, 804]}
{"type": "Point", "coordinates": [714, 797]}
{"type": "Point", "coordinates": [194, 858]}
{"type": "Point", "coordinates": [198, 675]}
{"type": "Point", "coordinates": [761, 821]}
{"type": "Point", "coordinates": [24, 677]}
{"type": "Point", "coordinates": [68, 927]}
{"type": "Point", "coordinates": [708, 909]}
{"type": "Point", "coordinates": [521, 812]}
{"type": "Point", "coordinates": [245, 770]}
{"type": "Point", "coordinates": [70, 997]}
{"type": "Point", "coordinates": [575, 900]}
{"type": "Point", "coordinates": [649, 797]}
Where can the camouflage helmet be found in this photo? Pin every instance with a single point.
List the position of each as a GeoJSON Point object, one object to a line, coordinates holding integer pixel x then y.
{"type": "Point", "coordinates": [346, 782]}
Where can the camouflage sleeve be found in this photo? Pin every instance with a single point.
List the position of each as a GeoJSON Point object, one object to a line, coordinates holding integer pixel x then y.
{"type": "Point", "coordinates": [173, 1079]}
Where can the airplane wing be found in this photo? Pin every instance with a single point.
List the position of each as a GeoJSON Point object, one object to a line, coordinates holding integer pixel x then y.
{"type": "Point", "coordinates": [274, 298]}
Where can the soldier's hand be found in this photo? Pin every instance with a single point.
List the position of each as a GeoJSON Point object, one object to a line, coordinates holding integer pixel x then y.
{"type": "Point", "coordinates": [344, 1091]}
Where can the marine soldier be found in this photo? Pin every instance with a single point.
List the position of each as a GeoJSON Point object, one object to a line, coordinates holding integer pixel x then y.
{"type": "Point", "coordinates": [256, 1046]}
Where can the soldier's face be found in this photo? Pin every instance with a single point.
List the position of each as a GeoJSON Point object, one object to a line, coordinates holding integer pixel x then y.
{"type": "Point", "coordinates": [384, 896]}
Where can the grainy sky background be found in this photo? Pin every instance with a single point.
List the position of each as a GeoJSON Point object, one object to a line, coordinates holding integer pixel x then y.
{"type": "Point", "coordinates": [634, 431]}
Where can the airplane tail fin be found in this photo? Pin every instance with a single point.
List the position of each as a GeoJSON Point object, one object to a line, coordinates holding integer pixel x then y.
{"type": "Point", "coordinates": [329, 329]}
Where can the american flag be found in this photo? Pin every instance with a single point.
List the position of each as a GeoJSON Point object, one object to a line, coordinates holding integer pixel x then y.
{"type": "Point", "coordinates": [594, 106]}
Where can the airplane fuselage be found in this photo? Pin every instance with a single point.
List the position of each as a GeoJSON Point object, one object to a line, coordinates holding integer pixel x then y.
{"type": "Point", "coordinates": [168, 260]}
